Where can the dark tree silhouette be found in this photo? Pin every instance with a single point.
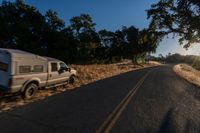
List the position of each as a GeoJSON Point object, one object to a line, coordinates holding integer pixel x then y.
{"type": "Point", "coordinates": [180, 17]}
{"type": "Point", "coordinates": [88, 39]}
{"type": "Point", "coordinates": [24, 27]}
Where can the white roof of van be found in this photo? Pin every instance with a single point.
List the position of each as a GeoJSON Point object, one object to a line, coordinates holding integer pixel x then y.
{"type": "Point", "coordinates": [51, 59]}
{"type": "Point", "coordinates": [20, 53]}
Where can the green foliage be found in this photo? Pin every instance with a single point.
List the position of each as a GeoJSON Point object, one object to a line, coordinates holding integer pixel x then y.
{"type": "Point", "coordinates": [24, 27]}
{"type": "Point", "coordinates": [180, 17]}
{"type": "Point", "coordinates": [54, 21]}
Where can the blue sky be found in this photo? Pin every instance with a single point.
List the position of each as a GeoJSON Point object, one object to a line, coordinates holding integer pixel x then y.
{"type": "Point", "coordinates": [111, 15]}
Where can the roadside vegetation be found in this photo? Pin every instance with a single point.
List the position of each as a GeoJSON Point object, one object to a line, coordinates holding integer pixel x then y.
{"type": "Point", "coordinates": [189, 73]}
{"type": "Point", "coordinates": [192, 60]}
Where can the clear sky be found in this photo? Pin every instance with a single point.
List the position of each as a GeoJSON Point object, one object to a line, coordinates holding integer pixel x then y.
{"type": "Point", "coordinates": [111, 15]}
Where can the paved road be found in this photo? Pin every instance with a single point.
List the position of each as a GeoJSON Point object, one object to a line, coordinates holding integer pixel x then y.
{"type": "Point", "coordinates": [149, 100]}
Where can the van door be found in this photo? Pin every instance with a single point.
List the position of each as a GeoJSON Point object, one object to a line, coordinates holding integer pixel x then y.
{"type": "Point", "coordinates": [64, 71]}
{"type": "Point", "coordinates": [55, 75]}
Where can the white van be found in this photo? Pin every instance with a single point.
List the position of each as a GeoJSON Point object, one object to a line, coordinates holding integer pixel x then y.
{"type": "Point", "coordinates": [25, 72]}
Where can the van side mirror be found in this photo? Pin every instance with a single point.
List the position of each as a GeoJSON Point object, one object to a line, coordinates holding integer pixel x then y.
{"type": "Point", "coordinates": [62, 69]}
{"type": "Point", "coordinates": [68, 69]}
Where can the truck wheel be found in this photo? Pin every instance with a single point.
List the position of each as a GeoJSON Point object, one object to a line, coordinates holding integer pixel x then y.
{"type": "Point", "coordinates": [30, 91]}
{"type": "Point", "coordinates": [71, 80]}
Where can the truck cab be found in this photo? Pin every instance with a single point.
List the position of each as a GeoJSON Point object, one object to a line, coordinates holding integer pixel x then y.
{"type": "Point", "coordinates": [58, 72]}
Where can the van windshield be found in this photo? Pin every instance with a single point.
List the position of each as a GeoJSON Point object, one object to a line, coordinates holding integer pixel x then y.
{"type": "Point", "coordinates": [3, 67]}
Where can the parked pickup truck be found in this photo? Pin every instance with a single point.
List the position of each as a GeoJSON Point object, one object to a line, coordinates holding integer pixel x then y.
{"type": "Point", "coordinates": [24, 72]}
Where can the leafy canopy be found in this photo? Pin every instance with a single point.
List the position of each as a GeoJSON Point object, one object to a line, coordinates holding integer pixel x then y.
{"type": "Point", "coordinates": [24, 27]}
{"type": "Point", "coordinates": [180, 17]}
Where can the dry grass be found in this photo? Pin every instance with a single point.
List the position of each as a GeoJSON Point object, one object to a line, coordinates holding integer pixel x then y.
{"type": "Point", "coordinates": [155, 62]}
{"type": "Point", "coordinates": [91, 73]}
{"type": "Point", "coordinates": [189, 73]}
{"type": "Point", "coordinates": [86, 74]}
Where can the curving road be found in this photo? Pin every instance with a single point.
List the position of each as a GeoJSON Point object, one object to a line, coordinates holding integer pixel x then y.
{"type": "Point", "coordinates": [148, 100]}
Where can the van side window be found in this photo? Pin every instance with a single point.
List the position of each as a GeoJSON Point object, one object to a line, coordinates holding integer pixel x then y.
{"type": "Point", "coordinates": [3, 66]}
{"type": "Point", "coordinates": [62, 65]}
{"type": "Point", "coordinates": [38, 68]}
{"type": "Point", "coordinates": [24, 69]}
{"type": "Point", "coordinates": [54, 67]}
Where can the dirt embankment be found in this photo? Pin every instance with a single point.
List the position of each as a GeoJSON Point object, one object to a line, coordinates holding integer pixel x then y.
{"type": "Point", "coordinates": [189, 73]}
{"type": "Point", "coordinates": [85, 74]}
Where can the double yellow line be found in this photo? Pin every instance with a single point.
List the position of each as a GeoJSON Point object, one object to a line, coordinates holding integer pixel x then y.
{"type": "Point", "coordinates": [114, 116]}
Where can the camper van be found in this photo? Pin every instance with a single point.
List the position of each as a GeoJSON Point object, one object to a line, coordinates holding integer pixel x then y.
{"type": "Point", "coordinates": [25, 72]}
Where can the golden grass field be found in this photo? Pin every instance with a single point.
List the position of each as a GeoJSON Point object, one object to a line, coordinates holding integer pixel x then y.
{"type": "Point", "coordinates": [189, 73]}
{"type": "Point", "coordinates": [85, 74]}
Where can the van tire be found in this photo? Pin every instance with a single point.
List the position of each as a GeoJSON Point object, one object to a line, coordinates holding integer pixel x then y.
{"type": "Point", "coordinates": [71, 79]}
{"type": "Point", "coordinates": [30, 91]}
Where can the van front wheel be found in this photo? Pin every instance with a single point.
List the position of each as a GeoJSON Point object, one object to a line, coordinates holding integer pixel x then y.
{"type": "Point", "coordinates": [30, 91]}
{"type": "Point", "coordinates": [71, 79]}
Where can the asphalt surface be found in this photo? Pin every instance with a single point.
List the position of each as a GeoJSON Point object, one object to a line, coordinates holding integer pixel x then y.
{"type": "Point", "coordinates": [152, 100]}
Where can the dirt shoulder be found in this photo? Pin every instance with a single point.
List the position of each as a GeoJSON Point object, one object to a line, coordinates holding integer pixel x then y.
{"type": "Point", "coordinates": [189, 73]}
{"type": "Point", "coordinates": [85, 74]}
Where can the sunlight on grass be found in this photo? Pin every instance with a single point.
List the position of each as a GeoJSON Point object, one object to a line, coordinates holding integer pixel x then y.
{"type": "Point", "coordinates": [189, 73]}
